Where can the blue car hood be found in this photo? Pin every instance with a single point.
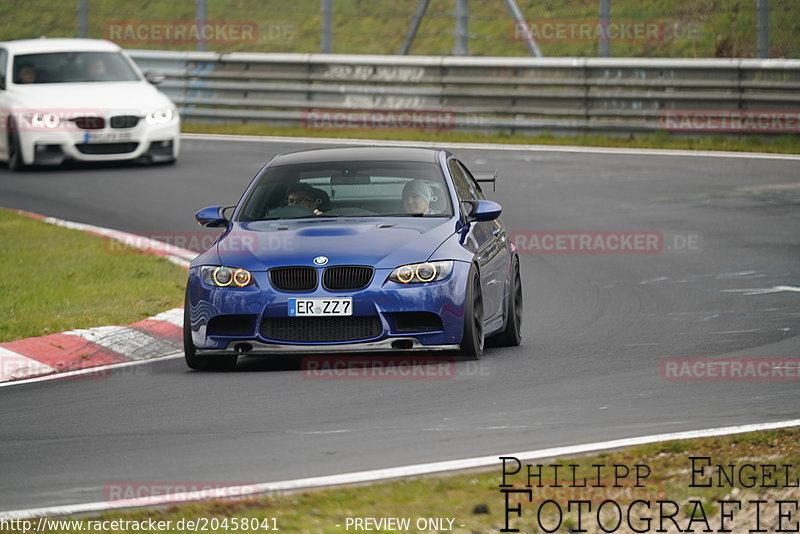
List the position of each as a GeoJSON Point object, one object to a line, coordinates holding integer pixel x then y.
{"type": "Point", "coordinates": [380, 242]}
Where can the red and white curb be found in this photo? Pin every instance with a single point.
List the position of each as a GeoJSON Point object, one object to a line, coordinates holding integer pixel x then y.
{"type": "Point", "coordinates": [100, 346]}
{"type": "Point", "coordinates": [153, 337]}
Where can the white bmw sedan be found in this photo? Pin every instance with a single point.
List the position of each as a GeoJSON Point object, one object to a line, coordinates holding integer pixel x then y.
{"type": "Point", "coordinates": [80, 99]}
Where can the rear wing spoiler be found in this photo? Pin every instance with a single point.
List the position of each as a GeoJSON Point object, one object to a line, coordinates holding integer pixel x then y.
{"type": "Point", "coordinates": [487, 177]}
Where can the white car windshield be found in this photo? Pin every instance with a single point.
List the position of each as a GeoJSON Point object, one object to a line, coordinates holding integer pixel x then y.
{"type": "Point", "coordinates": [73, 67]}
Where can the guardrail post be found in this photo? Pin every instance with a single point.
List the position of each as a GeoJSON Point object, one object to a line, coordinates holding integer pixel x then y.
{"type": "Point", "coordinates": [739, 89]}
{"type": "Point", "coordinates": [586, 102]}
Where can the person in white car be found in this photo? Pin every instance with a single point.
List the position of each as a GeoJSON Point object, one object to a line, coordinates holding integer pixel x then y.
{"type": "Point", "coordinates": [80, 99]}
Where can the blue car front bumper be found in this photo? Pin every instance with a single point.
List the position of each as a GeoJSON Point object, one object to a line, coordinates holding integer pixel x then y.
{"type": "Point", "coordinates": [386, 315]}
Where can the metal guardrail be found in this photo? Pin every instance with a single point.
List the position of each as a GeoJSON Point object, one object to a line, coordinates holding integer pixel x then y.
{"type": "Point", "coordinates": [515, 95]}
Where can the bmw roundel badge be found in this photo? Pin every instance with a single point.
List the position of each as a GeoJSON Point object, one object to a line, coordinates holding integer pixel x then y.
{"type": "Point", "coordinates": [320, 260]}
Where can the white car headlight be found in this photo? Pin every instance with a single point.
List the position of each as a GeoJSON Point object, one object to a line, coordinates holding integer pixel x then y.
{"type": "Point", "coordinates": [160, 116]}
{"type": "Point", "coordinates": [420, 273]}
{"type": "Point", "coordinates": [43, 119]}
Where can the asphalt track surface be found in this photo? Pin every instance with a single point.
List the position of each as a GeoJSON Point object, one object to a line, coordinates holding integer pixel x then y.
{"type": "Point", "coordinates": [597, 328]}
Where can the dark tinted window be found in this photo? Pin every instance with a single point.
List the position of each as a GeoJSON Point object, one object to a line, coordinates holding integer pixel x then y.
{"type": "Point", "coordinates": [465, 184]}
{"type": "Point", "coordinates": [3, 61]}
{"type": "Point", "coordinates": [463, 187]}
{"type": "Point", "coordinates": [474, 186]}
{"type": "Point", "coordinates": [70, 67]}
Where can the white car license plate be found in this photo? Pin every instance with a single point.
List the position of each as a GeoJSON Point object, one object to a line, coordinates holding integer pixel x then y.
{"type": "Point", "coordinates": [320, 307]}
{"type": "Point", "coordinates": [106, 137]}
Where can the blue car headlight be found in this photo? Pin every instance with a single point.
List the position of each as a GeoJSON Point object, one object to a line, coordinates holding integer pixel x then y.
{"type": "Point", "coordinates": [217, 276]}
{"type": "Point", "coordinates": [420, 273]}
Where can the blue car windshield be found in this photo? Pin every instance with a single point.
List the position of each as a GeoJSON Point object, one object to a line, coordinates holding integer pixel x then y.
{"type": "Point", "coordinates": [348, 189]}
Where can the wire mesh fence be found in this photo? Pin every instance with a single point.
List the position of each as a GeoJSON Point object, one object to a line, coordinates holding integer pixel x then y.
{"type": "Point", "coordinates": [633, 28]}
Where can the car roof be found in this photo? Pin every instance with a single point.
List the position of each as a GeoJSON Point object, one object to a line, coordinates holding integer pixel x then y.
{"type": "Point", "coordinates": [369, 153]}
{"type": "Point", "coordinates": [44, 45]}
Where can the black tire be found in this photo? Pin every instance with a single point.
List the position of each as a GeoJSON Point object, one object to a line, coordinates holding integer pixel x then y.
{"type": "Point", "coordinates": [511, 336]}
{"type": "Point", "coordinates": [472, 341]}
{"type": "Point", "coordinates": [15, 161]}
{"type": "Point", "coordinates": [226, 362]}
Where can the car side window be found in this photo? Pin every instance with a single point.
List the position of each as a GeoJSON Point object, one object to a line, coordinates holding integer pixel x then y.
{"type": "Point", "coordinates": [474, 186]}
{"type": "Point", "coordinates": [3, 61]}
{"type": "Point", "coordinates": [460, 180]}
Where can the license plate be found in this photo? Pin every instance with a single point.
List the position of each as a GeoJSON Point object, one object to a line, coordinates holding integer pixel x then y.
{"type": "Point", "coordinates": [320, 307]}
{"type": "Point", "coordinates": [106, 137]}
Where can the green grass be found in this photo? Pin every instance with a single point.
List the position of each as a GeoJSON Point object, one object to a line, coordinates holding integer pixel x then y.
{"type": "Point", "coordinates": [701, 28]}
{"type": "Point", "coordinates": [475, 501]}
{"type": "Point", "coordinates": [781, 144]}
{"type": "Point", "coordinates": [59, 279]}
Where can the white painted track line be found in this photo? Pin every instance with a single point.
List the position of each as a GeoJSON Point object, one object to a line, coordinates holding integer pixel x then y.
{"type": "Point", "coordinates": [90, 370]}
{"type": "Point", "coordinates": [390, 473]}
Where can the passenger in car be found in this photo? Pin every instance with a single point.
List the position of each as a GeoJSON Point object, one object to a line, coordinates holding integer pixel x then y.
{"type": "Point", "coordinates": [26, 74]}
{"type": "Point", "coordinates": [417, 196]}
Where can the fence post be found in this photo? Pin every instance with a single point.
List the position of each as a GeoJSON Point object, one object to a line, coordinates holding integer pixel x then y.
{"type": "Point", "coordinates": [462, 29]}
{"type": "Point", "coordinates": [83, 19]}
{"type": "Point", "coordinates": [763, 28]}
{"type": "Point", "coordinates": [412, 30]}
{"type": "Point", "coordinates": [520, 25]}
{"type": "Point", "coordinates": [201, 16]}
{"type": "Point", "coordinates": [604, 43]}
{"type": "Point", "coordinates": [327, 25]}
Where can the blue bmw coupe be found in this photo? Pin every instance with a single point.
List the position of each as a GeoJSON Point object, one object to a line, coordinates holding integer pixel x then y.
{"type": "Point", "coordinates": [354, 249]}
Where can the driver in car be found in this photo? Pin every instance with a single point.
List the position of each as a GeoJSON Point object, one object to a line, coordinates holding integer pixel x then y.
{"type": "Point", "coordinates": [304, 195]}
{"type": "Point", "coordinates": [97, 70]}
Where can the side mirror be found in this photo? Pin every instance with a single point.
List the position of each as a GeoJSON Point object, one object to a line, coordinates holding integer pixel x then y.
{"type": "Point", "coordinates": [154, 77]}
{"type": "Point", "coordinates": [212, 217]}
{"type": "Point", "coordinates": [482, 210]}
